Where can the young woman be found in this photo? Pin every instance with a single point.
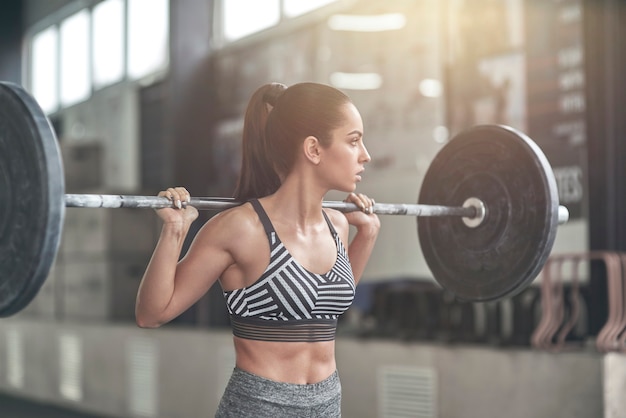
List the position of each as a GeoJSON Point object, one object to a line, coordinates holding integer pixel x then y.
{"type": "Point", "coordinates": [282, 260]}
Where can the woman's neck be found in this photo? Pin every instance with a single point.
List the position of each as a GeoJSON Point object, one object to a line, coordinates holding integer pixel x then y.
{"type": "Point", "coordinates": [297, 200]}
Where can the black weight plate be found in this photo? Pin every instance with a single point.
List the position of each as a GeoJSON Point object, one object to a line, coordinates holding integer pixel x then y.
{"type": "Point", "coordinates": [31, 198]}
{"type": "Point", "coordinates": [508, 172]}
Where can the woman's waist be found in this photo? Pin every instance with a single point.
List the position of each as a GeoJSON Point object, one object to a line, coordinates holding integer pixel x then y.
{"type": "Point", "coordinates": [287, 362]}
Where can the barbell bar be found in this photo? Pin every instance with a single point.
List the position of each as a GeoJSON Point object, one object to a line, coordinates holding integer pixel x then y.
{"type": "Point", "coordinates": [109, 201]}
{"type": "Point", "coordinates": [487, 210]}
{"type": "Point", "coordinates": [221, 203]}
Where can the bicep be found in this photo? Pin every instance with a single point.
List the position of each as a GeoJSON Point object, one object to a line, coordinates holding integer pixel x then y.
{"type": "Point", "coordinates": [205, 261]}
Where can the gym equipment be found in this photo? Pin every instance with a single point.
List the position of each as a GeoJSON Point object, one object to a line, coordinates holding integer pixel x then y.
{"type": "Point", "coordinates": [487, 215]}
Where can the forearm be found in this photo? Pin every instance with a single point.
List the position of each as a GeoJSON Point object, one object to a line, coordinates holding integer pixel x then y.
{"type": "Point", "coordinates": [157, 285]}
{"type": "Point", "coordinates": [361, 248]}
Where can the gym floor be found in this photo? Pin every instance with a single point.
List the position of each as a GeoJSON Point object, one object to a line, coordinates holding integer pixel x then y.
{"type": "Point", "coordinates": [13, 407]}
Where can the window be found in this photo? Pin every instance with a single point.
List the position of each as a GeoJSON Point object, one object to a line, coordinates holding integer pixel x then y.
{"type": "Point", "coordinates": [108, 42]}
{"type": "Point", "coordinates": [240, 18]}
{"type": "Point", "coordinates": [148, 36]}
{"type": "Point", "coordinates": [293, 8]}
{"type": "Point", "coordinates": [74, 63]}
{"type": "Point", "coordinates": [43, 69]}
{"type": "Point", "coordinates": [96, 47]}
{"type": "Point", "coordinates": [244, 17]}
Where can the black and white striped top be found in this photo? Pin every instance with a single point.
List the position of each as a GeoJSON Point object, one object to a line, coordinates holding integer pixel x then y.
{"type": "Point", "coordinates": [288, 302]}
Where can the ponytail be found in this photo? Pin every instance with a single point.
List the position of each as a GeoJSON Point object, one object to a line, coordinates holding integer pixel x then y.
{"type": "Point", "coordinates": [257, 177]}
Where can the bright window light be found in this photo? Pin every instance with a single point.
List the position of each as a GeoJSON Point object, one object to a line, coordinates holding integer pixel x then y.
{"type": "Point", "coordinates": [244, 17]}
{"type": "Point", "coordinates": [293, 8]}
{"type": "Point", "coordinates": [148, 36]}
{"type": "Point", "coordinates": [429, 87]}
{"type": "Point", "coordinates": [43, 69]}
{"type": "Point", "coordinates": [441, 134]}
{"type": "Point", "coordinates": [75, 69]}
{"type": "Point", "coordinates": [367, 23]}
{"type": "Point", "coordinates": [108, 42]}
{"type": "Point", "coordinates": [356, 81]}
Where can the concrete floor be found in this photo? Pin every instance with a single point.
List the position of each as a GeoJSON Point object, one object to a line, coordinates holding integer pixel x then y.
{"type": "Point", "coordinates": [13, 407]}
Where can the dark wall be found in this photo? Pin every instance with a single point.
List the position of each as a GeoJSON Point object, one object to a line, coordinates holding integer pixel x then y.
{"type": "Point", "coordinates": [605, 36]}
{"type": "Point", "coordinates": [190, 98]}
{"type": "Point", "coordinates": [37, 10]}
{"type": "Point", "coordinates": [11, 28]}
{"type": "Point", "coordinates": [16, 16]}
{"type": "Point", "coordinates": [605, 74]}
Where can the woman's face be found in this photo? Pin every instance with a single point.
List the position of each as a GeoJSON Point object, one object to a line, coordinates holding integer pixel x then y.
{"type": "Point", "coordinates": [343, 161]}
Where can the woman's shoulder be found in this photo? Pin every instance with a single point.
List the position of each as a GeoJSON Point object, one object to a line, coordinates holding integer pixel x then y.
{"type": "Point", "coordinates": [338, 220]}
{"type": "Point", "coordinates": [232, 223]}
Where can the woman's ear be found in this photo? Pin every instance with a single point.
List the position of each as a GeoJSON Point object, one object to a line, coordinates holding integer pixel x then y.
{"type": "Point", "coordinates": [312, 149]}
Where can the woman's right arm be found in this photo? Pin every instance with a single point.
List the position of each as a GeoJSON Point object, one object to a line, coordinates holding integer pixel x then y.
{"type": "Point", "coordinates": [170, 287]}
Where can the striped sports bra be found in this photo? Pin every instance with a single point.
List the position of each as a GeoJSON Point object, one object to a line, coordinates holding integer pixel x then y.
{"type": "Point", "coordinates": [289, 303]}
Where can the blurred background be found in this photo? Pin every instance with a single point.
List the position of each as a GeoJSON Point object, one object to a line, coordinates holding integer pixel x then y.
{"type": "Point", "coordinates": [146, 94]}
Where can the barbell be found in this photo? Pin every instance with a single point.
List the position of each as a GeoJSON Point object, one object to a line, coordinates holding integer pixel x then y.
{"type": "Point", "coordinates": [487, 210]}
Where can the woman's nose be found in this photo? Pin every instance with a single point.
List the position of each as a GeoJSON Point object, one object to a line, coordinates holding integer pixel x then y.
{"type": "Point", "coordinates": [365, 156]}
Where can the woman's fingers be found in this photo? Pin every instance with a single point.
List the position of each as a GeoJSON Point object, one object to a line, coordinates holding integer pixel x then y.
{"type": "Point", "coordinates": [364, 203]}
{"type": "Point", "coordinates": [177, 195]}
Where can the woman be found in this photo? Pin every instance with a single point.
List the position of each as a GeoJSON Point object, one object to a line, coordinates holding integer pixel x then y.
{"type": "Point", "coordinates": [280, 259]}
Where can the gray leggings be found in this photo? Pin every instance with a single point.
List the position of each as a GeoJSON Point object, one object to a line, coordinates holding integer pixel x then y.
{"type": "Point", "coordinates": [249, 395]}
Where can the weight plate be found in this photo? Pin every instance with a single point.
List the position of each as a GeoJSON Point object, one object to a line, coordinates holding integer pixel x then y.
{"type": "Point", "coordinates": [510, 174]}
{"type": "Point", "coordinates": [31, 198]}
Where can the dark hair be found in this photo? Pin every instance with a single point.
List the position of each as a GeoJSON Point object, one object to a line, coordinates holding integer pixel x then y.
{"type": "Point", "coordinates": [272, 136]}
{"type": "Point", "coordinates": [257, 177]}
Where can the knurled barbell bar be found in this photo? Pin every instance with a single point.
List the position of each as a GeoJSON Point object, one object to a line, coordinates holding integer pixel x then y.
{"type": "Point", "coordinates": [487, 215]}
